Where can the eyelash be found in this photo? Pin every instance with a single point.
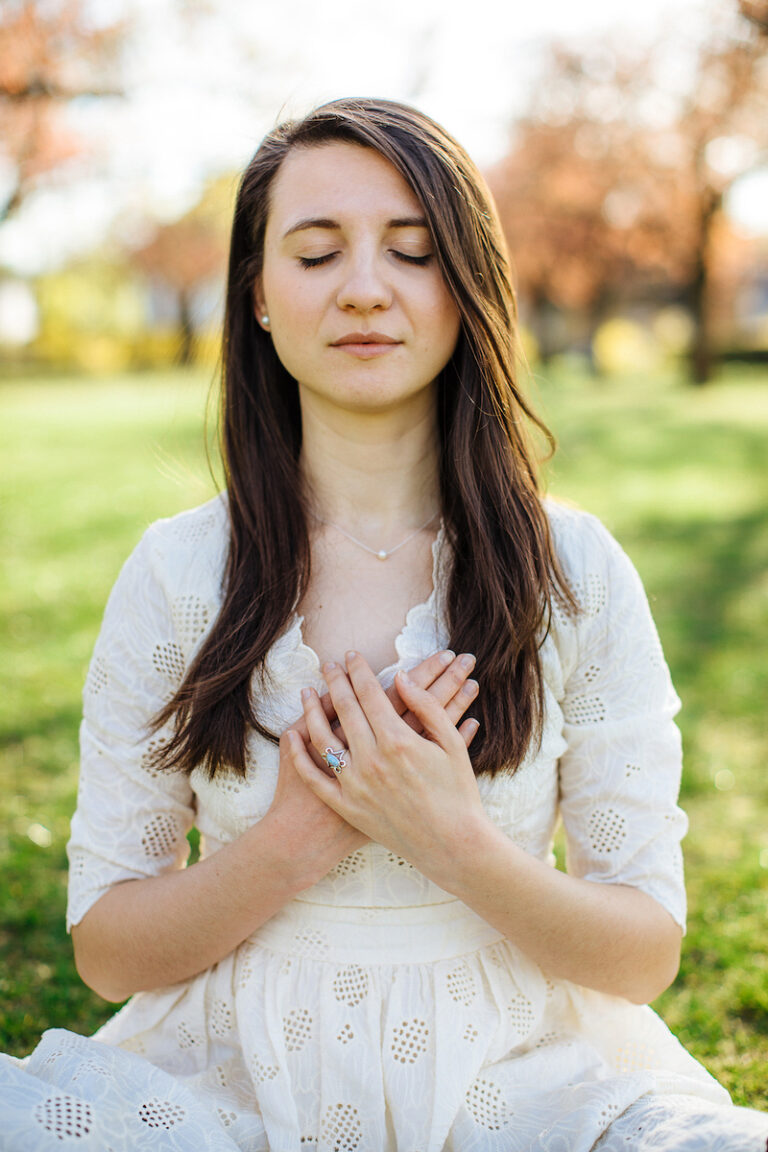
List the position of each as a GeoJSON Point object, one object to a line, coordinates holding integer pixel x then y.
{"type": "Point", "coordinates": [317, 261]}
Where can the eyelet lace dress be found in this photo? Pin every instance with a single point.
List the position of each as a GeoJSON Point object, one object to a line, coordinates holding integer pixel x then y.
{"type": "Point", "coordinates": [376, 1013]}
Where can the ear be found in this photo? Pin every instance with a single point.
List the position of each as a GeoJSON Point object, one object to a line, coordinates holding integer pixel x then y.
{"type": "Point", "coordinates": [259, 307]}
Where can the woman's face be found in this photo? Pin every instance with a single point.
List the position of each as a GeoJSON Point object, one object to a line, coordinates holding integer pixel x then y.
{"type": "Point", "coordinates": [358, 309]}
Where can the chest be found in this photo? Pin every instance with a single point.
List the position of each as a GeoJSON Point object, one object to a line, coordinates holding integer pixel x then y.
{"type": "Point", "coordinates": [354, 600]}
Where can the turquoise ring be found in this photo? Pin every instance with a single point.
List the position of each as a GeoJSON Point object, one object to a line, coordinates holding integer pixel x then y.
{"type": "Point", "coordinates": [336, 759]}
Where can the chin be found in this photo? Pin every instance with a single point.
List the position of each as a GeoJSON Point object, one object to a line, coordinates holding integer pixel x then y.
{"type": "Point", "coordinates": [369, 397]}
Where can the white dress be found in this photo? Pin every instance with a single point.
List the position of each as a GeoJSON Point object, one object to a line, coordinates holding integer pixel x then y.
{"type": "Point", "coordinates": [375, 1013]}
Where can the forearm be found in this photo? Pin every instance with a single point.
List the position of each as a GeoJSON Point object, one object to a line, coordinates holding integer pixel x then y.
{"type": "Point", "coordinates": [613, 938]}
{"type": "Point", "coordinates": [145, 934]}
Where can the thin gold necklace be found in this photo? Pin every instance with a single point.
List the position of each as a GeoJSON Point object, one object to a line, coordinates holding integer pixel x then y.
{"type": "Point", "coordinates": [381, 553]}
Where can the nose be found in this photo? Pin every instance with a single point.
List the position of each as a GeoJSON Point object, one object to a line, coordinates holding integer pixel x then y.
{"type": "Point", "coordinates": [364, 286]}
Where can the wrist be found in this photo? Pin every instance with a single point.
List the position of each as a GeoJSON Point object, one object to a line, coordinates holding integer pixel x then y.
{"type": "Point", "coordinates": [474, 845]}
{"type": "Point", "coordinates": [273, 855]}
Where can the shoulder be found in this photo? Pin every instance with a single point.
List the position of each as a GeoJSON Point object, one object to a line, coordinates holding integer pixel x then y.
{"type": "Point", "coordinates": [185, 551]}
{"type": "Point", "coordinates": [194, 536]}
{"type": "Point", "coordinates": [602, 578]}
{"type": "Point", "coordinates": [196, 529]}
{"type": "Point", "coordinates": [582, 543]}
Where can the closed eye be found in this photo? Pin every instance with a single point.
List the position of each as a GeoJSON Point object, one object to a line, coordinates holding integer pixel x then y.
{"type": "Point", "coordinates": [412, 259]}
{"type": "Point", "coordinates": [315, 261]}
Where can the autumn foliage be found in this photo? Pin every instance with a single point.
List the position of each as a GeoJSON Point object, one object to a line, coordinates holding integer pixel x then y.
{"type": "Point", "coordinates": [50, 55]}
{"type": "Point", "coordinates": [613, 188]}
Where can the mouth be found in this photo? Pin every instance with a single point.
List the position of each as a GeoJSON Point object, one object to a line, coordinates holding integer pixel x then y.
{"type": "Point", "coordinates": [366, 345]}
{"type": "Point", "coordinates": [363, 338]}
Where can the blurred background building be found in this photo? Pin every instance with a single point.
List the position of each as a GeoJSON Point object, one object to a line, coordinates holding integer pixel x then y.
{"type": "Point", "coordinates": [628, 158]}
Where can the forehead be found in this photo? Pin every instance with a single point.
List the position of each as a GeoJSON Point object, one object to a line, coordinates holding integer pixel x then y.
{"type": "Point", "coordinates": [338, 180]}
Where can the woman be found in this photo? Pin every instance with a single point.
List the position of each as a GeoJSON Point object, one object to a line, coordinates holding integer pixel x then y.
{"type": "Point", "coordinates": [374, 952]}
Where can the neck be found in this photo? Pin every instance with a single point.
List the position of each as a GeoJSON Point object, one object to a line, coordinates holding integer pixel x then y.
{"type": "Point", "coordinates": [374, 474]}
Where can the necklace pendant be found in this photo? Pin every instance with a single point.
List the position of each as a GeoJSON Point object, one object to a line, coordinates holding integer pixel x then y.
{"type": "Point", "coordinates": [382, 555]}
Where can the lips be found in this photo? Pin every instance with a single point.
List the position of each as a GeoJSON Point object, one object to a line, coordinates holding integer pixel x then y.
{"type": "Point", "coordinates": [364, 338]}
{"type": "Point", "coordinates": [366, 345]}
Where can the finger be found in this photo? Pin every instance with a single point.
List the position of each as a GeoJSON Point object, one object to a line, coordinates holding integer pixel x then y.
{"type": "Point", "coordinates": [447, 688]}
{"type": "Point", "coordinates": [300, 726]}
{"type": "Point", "coordinates": [321, 735]}
{"type": "Point", "coordinates": [456, 707]}
{"type": "Point", "coordinates": [357, 730]}
{"type": "Point", "coordinates": [429, 671]}
{"type": "Point", "coordinates": [432, 716]}
{"type": "Point", "coordinates": [373, 699]}
{"type": "Point", "coordinates": [424, 674]}
{"type": "Point", "coordinates": [468, 730]}
{"type": "Point", "coordinates": [333, 719]}
{"type": "Point", "coordinates": [326, 788]}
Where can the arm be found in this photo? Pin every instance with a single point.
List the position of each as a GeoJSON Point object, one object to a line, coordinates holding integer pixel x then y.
{"type": "Point", "coordinates": [147, 933]}
{"type": "Point", "coordinates": [612, 924]}
{"type": "Point", "coordinates": [142, 933]}
{"type": "Point", "coordinates": [611, 937]}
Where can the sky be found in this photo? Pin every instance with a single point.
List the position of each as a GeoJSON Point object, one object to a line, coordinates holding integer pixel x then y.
{"type": "Point", "coordinates": [204, 89]}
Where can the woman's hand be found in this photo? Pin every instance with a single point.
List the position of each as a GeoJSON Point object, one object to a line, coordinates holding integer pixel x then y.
{"type": "Point", "coordinates": [418, 796]}
{"type": "Point", "coordinates": [322, 836]}
{"type": "Point", "coordinates": [316, 836]}
{"type": "Point", "coordinates": [410, 792]}
{"type": "Point", "coordinates": [442, 674]}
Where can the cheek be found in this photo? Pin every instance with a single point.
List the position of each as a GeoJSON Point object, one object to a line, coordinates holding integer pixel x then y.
{"type": "Point", "coordinates": [444, 304]}
{"type": "Point", "coordinates": [448, 323]}
{"type": "Point", "coordinates": [452, 320]}
{"type": "Point", "coordinates": [288, 289]}
{"type": "Point", "coordinates": [279, 296]}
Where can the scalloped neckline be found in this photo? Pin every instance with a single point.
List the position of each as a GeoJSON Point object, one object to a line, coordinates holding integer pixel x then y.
{"type": "Point", "coordinates": [427, 607]}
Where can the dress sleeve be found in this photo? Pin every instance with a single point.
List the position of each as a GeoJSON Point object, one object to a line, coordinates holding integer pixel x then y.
{"type": "Point", "coordinates": [620, 773]}
{"type": "Point", "coordinates": [132, 818]}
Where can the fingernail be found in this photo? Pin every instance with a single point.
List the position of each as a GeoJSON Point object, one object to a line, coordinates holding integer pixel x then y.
{"type": "Point", "coordinates": [350, 655]}
{"type": "Point", "coordinates": [471, 687]}
{"type": "Point", "coordinates": [306, 693]}
{"type": "Point", "coordinates": [447, 657]}
{"type": "Point", "coordinates": [467, 660]}
{"type": "Point", "coordinates": [473, 726]}
{"type": "Point", "coordinates": [329, 666]}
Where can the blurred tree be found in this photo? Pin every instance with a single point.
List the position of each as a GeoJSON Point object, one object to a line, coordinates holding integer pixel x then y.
{"type": "Point", "coordinates": [723, 132]}
{"type": "Point", "coordinates": [584, 213]}
{"type": "Point", "coordinates": [52, 52]}
{"type": "Point", "coordinates": [617, 173]}
{"type": "Point", "coordinates": [92, 315]}
{"type": "Point", "coordinates": [189, 255]}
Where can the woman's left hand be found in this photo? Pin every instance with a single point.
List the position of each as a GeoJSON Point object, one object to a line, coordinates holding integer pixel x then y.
{"type": "Point", "coordinates": [414, 794]}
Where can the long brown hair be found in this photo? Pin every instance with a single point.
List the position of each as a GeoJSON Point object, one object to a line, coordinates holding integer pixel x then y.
{"type": "Point", "coordinates": [504, 573]}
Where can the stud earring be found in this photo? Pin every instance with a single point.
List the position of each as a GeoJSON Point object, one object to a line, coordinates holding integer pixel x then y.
{"type": "Point", "coordinates": [265, 320]}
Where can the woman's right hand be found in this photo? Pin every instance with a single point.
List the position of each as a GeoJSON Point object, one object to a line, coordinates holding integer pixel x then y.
{"type": "Point", "coordinates": [316, 837]}
{"type": "Point", "coordinates": [156, 931]}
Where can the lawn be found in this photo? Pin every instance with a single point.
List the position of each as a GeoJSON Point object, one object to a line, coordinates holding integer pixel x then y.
{"type": "Point", "coordinates": [680, 476]}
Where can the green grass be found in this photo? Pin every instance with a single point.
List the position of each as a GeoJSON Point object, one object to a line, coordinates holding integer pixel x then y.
{"type": "Point", "coordinates": [680, 476]}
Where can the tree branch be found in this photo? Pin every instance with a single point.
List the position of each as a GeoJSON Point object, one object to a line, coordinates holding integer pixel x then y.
{"type": "Point", "coordinates": [40, 89]}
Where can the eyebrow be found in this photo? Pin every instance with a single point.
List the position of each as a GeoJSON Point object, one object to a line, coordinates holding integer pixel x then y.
{"type": "Point", "coordinates": [333, 225]}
